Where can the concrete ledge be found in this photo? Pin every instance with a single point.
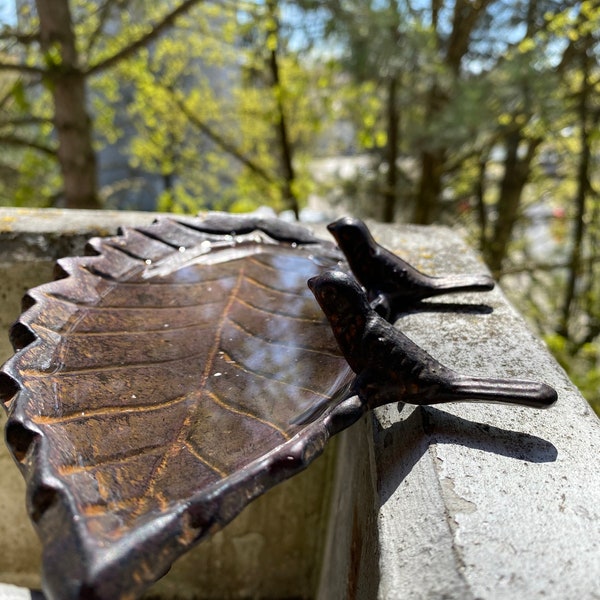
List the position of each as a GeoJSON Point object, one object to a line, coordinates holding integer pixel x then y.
{"type": "Point", "coordinates": [462, 501]}
{"type": "Point", "coordinates": [470, 501]}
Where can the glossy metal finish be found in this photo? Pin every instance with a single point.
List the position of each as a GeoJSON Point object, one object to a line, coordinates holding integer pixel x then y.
{"type": "Point", "coordinates": [392, 284]}
{"type": "Point", "coordinates": [161, 386]}
{"type": "Point", "coordinates": [392, 368]}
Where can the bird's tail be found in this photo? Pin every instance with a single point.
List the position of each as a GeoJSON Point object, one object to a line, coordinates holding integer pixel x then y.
{"type": "Point", "coordinates": [460, 283]}
{"type": "Point", "coordinates": [504, 391]}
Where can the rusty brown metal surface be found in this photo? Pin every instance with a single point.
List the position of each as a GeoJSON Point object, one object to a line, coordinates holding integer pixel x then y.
{"type": "Point", "coordinates": [390, 367]}
{"type": "Point", "coordinates": [392, 284]}
{"type": "Point", "coordinates": [162, 385]}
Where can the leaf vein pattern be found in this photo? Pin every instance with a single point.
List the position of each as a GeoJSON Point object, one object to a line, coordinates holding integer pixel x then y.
{"type": "Point", "coordinates": [107, 411]}
{"type": "Point", "coordinates": [279, 343]}
{"type": "Point", "coordinates": [179, 437]}
{"type": "Point", "coordinates": [278, 313]}
{"type": "Point", "coordinates": [97, 307]}
{"type": "Point", "coordinates": [123, 332]}
{"type": "Point", "coordinates": [203, 460]}
{"type": "Point", "coordinates": [152, 282]}
{"type": "Point", "coordinates": [105, 368]}
{"type": "Point", "coordinates": [238, 364]}
{"type": "Point", "coordinates": [117, 459]}
{"type": "Point", "coordinates": [238, 411]}
{"type": "Point", "coordinates": [265, 286]}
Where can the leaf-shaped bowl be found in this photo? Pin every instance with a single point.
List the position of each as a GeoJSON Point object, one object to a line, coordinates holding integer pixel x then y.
{"type": "Point", "coordinates": [161, 385]}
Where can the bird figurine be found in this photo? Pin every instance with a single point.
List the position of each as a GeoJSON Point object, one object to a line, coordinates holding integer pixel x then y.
{"type": "Point", "coordinates": [390, 367]}
{"type": "Point", "coordinates": [392, 284]}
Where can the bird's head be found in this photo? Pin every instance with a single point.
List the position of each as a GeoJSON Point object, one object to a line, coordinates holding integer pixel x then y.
{"type": "Point", "coordinates": [346, 307]}
{"type": "Point", "coordinates": [339, 295]}
{"type": "Point", "coordinates": [350, 233]}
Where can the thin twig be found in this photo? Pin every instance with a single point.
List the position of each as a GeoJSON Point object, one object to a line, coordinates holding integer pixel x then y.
{"type": "Point", "coordinates": [143, 41]}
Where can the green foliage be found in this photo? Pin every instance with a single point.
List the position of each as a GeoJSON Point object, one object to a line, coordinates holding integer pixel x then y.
{"type": "Point", "coordinates": [583, 367]}
{"type": "Point", "coordinates": [204, 112]}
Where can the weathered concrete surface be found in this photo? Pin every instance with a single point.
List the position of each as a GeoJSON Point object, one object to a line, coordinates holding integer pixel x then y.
{"type": "Point", "coordinates": [476, 501]}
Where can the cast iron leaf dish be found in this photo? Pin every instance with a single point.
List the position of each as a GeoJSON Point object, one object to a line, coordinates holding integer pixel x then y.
{"type": "Point", "coordinates": [162, 384]}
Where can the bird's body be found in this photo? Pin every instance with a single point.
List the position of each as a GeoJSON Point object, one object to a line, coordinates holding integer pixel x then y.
{"type": "Point", "coordinates": [392, 284]}
{"type": "Point", "coordinates": [390, 367]}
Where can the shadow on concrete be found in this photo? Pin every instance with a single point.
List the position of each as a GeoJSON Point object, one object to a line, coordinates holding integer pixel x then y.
{"type": "Point", "coordinates": [405, 442]}
{"type": "Point", "coordinates": [448, 307]}
{"type": "Point", "coordinates": [445, 428]}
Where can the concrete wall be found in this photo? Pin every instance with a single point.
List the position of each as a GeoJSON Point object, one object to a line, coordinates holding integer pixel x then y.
{"type": "Point", "coordinates": [462, 501]}
{"type": "Point", "coordinates": [470, 501]}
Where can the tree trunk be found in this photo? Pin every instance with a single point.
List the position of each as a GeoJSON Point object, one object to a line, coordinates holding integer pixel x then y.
{"type": "Point", "coordinates": [287, 164]}
{"type": "Point", "coordinates": [517, 168]}
{"type": "Point", "coordinates": [391, 188]}
{"type": "Point", "coordinates": [583, 186]}
{"type": "Point", "coordinates": [433, 159]}
{"type": "Point", "coordinates": [516, 175]}
{"type": "Point", "coordinates": [285, 145]}
{"type": "Point", "coordinates": [67, 83]}
{"type": "Point", "coordinates": [430, 187]}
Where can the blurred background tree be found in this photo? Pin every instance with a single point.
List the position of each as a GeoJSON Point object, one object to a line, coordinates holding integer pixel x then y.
{"type": "Point", "coordinates": [483, 116]}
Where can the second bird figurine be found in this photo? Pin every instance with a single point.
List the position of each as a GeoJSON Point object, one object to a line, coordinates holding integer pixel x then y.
{"type": "Point", "coordinates": [390, 367]}
{"type": "Point", "coordinates": [392, 284]}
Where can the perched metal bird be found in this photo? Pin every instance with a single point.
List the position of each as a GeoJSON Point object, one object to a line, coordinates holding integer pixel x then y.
{"type": "Point", "coordinates": [392, 284]}
{"type": "Point", "coordinates": [392, 368]}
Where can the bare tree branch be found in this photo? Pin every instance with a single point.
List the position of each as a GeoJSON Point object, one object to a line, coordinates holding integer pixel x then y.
{"type": "Point", "coordinates": [13, 140]}
{"type": "Point", "coordinates": [22, 121]}
{"type": "Point", "coordinates": [103, 11]}
{"type": "Point", "coordinates": [142, 42]}
{"type": "Point", "coordinates": [221, 142]}
{"type": "Point", "coordinates": [531, 268]}
{"type": "Point", "coordinates": [4, 99]}
{"type": "Point", "coordinates": [8, 171]}
{"type": "Point", "coordinates": [20, 37]}
{"type": "Point", "coordinates": [21, 68]}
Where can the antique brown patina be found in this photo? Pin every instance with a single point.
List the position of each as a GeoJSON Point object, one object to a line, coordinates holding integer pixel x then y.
{"type": "Point", "coordinates": [166, 381]}
{"type": "Point", "coordinates": [162, 385]}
